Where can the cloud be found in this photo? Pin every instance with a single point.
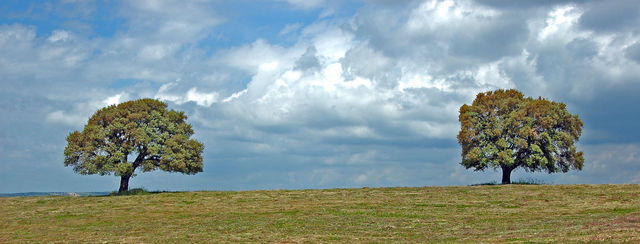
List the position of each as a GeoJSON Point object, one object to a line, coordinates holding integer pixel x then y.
{"type": "Point", "coordinates": [305, 4]}
{"type": "Point", "coordinates": [79, 115]}
{"type": "Point", "coordinates": [169, 21]}
{"type": "Point", "coordinates": [559, 22]}
{"type": "Point", "coordinates": [623, 159]}
{"type": "Point", "coordinates": [115, 99]}
{"type": "Point", "coordinates": [347, 84]}
{"type": "Point", "coordinates": [524, 4]}
{"type": "Point", "coordinates": [290, 28]}
{"type": "Point", "coordinates": [365, 98]}
{"type": "Point", "coordinates": [610, 16]}
{"type": "Point", "coordinates": [192, 95]}
{"type": "Point", "coordinates": [633, 52]}
{"type": "Point", "coordinates": [59, 35]}
{"type": "Point", "coordinates": [60, 117]}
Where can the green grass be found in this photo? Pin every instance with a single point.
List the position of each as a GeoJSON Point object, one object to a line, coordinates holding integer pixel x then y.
{"type": "Point", "coordinates": [135, 191]}
{"type": "Point", "coordinates": [490, 213]}
{"type": "Point", "coordinates": [526, 181]}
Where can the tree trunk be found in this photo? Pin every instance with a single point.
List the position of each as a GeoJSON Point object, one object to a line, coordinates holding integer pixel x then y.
{"type": "Point", "coordinates": [506, 175]}
{"type": "Point", "coordinates": [124, 183]}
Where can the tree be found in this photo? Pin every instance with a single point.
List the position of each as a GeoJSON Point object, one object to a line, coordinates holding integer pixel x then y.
{"type": "Point", "coordinates": [503, 129]}
{"type": "Point", "coordinates": [143, 130]}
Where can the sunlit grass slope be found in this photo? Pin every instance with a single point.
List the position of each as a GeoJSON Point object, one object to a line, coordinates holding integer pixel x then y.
{"type": "Point", "coordinates": [539, 213]}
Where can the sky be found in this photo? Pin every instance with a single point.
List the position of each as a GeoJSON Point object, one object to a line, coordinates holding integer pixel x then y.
{"type": "Point", "coordinates": [297, 94]}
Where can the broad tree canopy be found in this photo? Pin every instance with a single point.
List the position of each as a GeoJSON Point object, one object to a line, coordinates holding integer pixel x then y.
{"type": "Point", "coordinates": [141, 134]}
{"type": "Point", "coordinates": [503, 129]}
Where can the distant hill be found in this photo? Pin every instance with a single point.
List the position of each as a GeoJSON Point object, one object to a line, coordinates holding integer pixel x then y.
{"type": "Point", "coordinates": [39, 194]}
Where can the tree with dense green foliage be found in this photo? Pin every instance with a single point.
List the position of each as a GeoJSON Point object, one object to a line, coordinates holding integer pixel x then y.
{"type": "Point", "coordinates": [503, 129]}
{"type": "Point", "coordinates": [154, 137]}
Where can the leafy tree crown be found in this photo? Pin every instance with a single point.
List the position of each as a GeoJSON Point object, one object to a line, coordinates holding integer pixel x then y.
{"type": "Point", "coordinates": [504, 129]}
{"type": "Point", "coordinates": [155, 138]}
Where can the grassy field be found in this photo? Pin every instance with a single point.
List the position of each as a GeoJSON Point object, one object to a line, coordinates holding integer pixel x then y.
{"type": "Point", "coordinates": [510, 213]}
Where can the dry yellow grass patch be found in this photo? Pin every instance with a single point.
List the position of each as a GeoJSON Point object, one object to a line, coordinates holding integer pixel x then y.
{"type": "Point", "coordinates": [511, 213]}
